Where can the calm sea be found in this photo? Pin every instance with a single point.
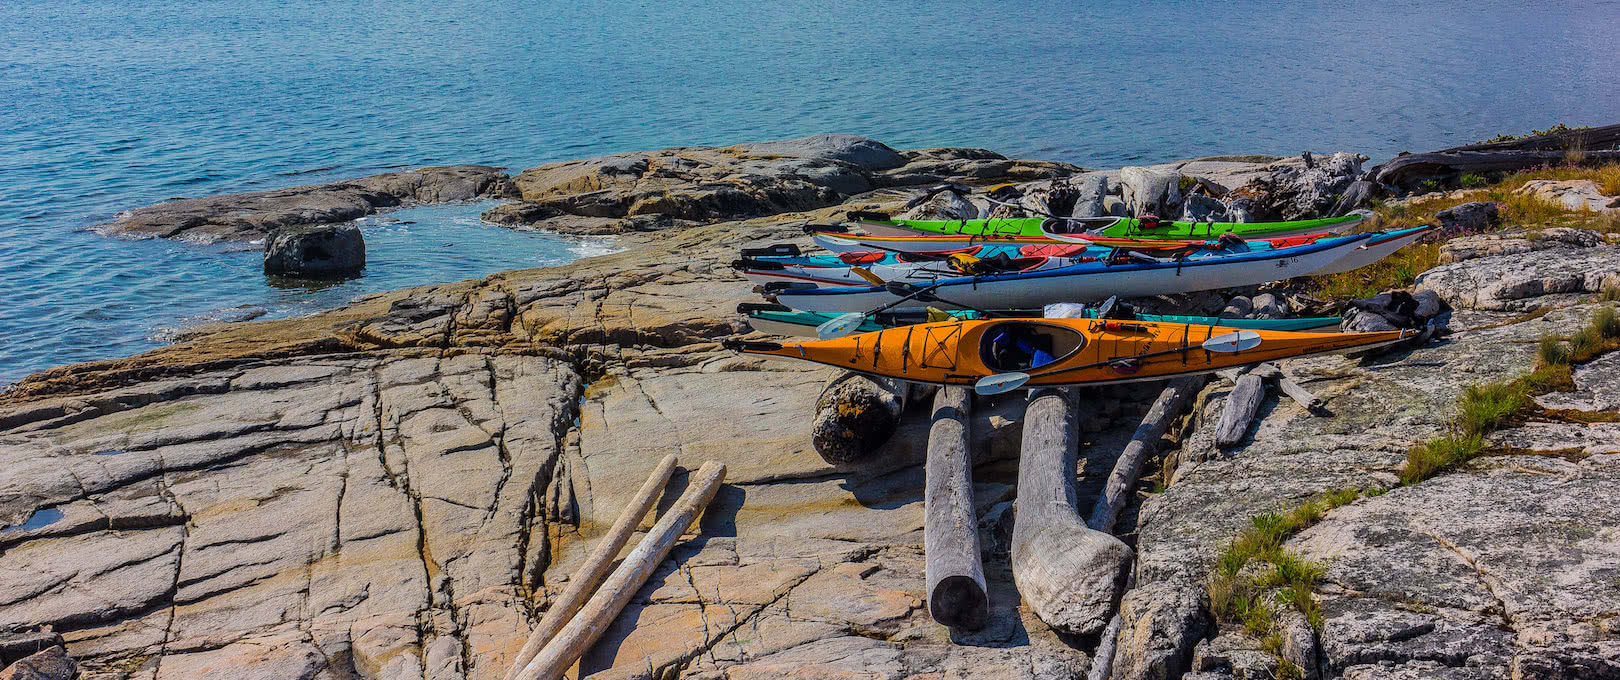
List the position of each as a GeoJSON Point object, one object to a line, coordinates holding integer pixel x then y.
{"type": "Point", "coordinates": [107, 105]}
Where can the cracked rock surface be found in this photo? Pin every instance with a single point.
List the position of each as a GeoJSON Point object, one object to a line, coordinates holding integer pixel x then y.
{"type": "Point", "coordinates": [1506, 567]}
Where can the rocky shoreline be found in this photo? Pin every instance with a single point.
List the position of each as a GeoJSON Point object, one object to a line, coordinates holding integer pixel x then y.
{"type": "Point", "coordinates": [396, 488]}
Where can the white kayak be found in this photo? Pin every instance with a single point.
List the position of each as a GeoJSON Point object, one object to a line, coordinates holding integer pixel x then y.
{"type": "Point", "coordinates": [1381, 245]}
{"type": "Point", "coordinates": [1089, 282]}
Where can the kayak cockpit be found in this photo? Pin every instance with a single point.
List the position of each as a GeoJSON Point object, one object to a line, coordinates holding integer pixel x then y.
{"type": "Point", "coordinates": [1020, 346]}
{"type": "Point", "coordinates": [1077, 225]}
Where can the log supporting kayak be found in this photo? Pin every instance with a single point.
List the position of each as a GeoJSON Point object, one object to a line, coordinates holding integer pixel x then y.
{"type": "Point", "coordinates": [855, 415]}
{"type": "Point", "coordinates": [1294, 390]}
{"type": "Point", "coordinates": [1071, 575]}
{"type": "Point", "coordinates": [957, 596]}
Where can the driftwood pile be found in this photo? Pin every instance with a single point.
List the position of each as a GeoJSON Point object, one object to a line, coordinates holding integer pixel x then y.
{"type": "Point", "coordinates": [574, 623]}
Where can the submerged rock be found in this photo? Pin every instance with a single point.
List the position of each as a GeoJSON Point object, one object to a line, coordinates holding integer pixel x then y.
{"type": "Point", "coordinates": [251, 216]}
{"type": "Point", "coordinates": [321, 251]}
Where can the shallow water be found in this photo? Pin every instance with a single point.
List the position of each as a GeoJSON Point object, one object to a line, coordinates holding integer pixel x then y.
{"type": "Point", "coordinates": [107, 105]}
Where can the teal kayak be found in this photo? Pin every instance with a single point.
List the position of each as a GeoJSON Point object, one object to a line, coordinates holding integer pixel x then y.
{"type": "Point", "coordinates": [781, 320]}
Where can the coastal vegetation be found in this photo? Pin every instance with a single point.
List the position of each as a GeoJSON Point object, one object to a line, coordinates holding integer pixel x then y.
{"type": "Point", "coordinates": [1485, 407]}
{"type": "Point", "coordinates": [1516, 208]}
{"type": "Point", "coordinates": [1256, 579]}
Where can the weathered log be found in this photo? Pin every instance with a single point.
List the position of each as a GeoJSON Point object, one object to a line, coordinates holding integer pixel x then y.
{"type": "Point", "coordinates": [1102, 661]}
{"type": "Point", "coordinates": [1408, 170]}
{"type": "Point", "coordinates": [957, 596]}
{"type": "Point", "coordinates": [595, 568]}
{"type": "Point", "coordinates": [1172, 402]}
{"type": "Point", "coordinates": [587, 627]}
{"type": "Point", "coordinates": [1604, 137]}
{"type": "Point", "coordinates": [1241, 405]}
{"type": "Point", "coordinates": [1070, 575]}
{"type": "Point", "coordinates": [855, 415]}
{"type": "Point", "coordinates": [1293, 389]}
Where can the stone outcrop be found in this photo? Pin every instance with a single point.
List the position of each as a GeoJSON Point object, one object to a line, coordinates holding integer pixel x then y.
{"type": "Point", "coordinates": [1579, 194]}
{"type": "Point", "coordinates": [319, 251]}
{"type": "Point", "coordinates": [1306, 188]}
{"type": "Point", "coordinates": [747, 180]}
{"type": "Point", "coordinates": [50, 664]}
{"type": "Point", "coordinates": [252, 216]}
{"type": "Point", "coordinates": [1523, 270]}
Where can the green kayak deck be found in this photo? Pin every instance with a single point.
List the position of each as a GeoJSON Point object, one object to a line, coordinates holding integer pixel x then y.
{"type": "Point", "coordinates": [1117, 227]}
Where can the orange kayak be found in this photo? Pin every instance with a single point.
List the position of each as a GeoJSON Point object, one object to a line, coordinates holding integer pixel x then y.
{"type": "Point", "coordinates": [1052, 352]}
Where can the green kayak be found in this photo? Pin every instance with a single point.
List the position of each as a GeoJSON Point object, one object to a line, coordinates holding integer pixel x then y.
{"type": "Point", "coordinates": [1116, 227]}
{"type": "Point", "coordinates": [780, 320]}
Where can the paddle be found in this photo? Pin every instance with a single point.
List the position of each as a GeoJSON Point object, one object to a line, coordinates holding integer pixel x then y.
{"type": "Point", "coordinates": [1229, 343]}
{"type": "Point", "coordinates": [844, 324]}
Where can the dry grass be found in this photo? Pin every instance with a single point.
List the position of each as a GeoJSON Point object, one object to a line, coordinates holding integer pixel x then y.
{"type": "Point", "coordinates": [1401, 269]}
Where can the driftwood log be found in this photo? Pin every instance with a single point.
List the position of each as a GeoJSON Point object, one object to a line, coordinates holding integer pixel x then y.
{"type": "Point", "coordinates": [957, 596]}
{"type": "Point", "coordinates": [855, 415]}
{"type": "Point", "coordinates": [1070, 575]}
{"type": "Point", "coordinates": [596, 565]}
{"type": "Point", "coordinates": [1172, 402]}
{"type": "Point", "coordinates": [1593, 144]}
{"type": "Point", "coordinates": [1241, 405]}
{"type": "Point", "coordinates": [1293, 389]}
{"type": "Point", "coordinates": [587, 627]}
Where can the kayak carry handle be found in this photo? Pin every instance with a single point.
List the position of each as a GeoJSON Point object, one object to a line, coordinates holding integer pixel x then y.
{"type": "Point", "coordinates": [773, 250]}
{"type": "Point", "coordinates": [758, 265]}
{"type": "Point", "coordinates": [750, 345]}
{"type": "Point", "coordinates": [751, 307]}
{"type": "Point", "coordinates": [867, 216]}
{"type": "Point", "coordinates": [779, 286]}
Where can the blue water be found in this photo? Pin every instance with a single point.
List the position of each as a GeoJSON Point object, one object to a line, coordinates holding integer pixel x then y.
{"type": "Point", "coordinates": [107, 105]}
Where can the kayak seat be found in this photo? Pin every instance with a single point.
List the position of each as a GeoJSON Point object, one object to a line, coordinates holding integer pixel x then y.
{"type": "Point", "coordinates": [1020, 346]}
{"type": "Point", "coordinates": [1052, 250]}
{"type": "Point", "coordinates": [862, 257]}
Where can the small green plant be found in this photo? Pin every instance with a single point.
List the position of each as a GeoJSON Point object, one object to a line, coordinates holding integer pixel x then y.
{"type": "Point", "coordinates": [1552, 351]}
{"type": "Point", "coordinates": [1186, 183]}
{"type": "Point", "coordinates": [1472, 181]}
{"type": "Point", "coordinates": [1610, 292]}
{"type": "Point", "coordinates": [1486, 406]}
{"type": "Point", "coordinates": [1430, 185]}
{"type": "Point", "coordinates": [1586, 342]}
{"type": "Point", "coordinates": [1439, 455]}
{"type": "Point", "coordinates": [1607, 323]}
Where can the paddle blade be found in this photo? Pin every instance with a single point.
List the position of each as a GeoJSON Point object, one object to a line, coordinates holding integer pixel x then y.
{"type": "Point", "coordinates": [867, 274]}
{"type": "Point", "coordinates": [840, 326]}
{"type": "Point", "coordinates": [1235, 341]}
{"type": "Point", "coordinates": [1000, 382]}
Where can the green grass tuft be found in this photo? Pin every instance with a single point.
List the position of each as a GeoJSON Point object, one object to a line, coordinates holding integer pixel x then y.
{"type": "Point", "coordinates": [1607, 323]}
{"type": "Point", "coordinates": [1553, 352]}
{"type": "Point", "coordinates": [1472, 181]}
{"type": "Point", "coordinates": [1487, 406]}
{"type": "Point", "coordinates": [1439, 455]}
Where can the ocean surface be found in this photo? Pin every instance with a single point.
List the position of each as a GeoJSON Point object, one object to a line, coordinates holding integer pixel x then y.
{"type": "Point", "coordinates": [107, 105]}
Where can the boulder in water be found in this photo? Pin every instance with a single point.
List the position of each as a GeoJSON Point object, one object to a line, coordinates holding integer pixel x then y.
{"type": "Point", "coordinates": [318, 251]}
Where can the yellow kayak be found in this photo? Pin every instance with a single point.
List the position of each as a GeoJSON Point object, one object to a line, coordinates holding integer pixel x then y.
{"type": "Point", "coordinates": [996, 355]}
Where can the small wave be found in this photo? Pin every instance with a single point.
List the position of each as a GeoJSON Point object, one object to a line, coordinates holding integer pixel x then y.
{"type": "Point", "coordinates": [311, 171]}
{"type": "Point", "coordinates": [595, 246]}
